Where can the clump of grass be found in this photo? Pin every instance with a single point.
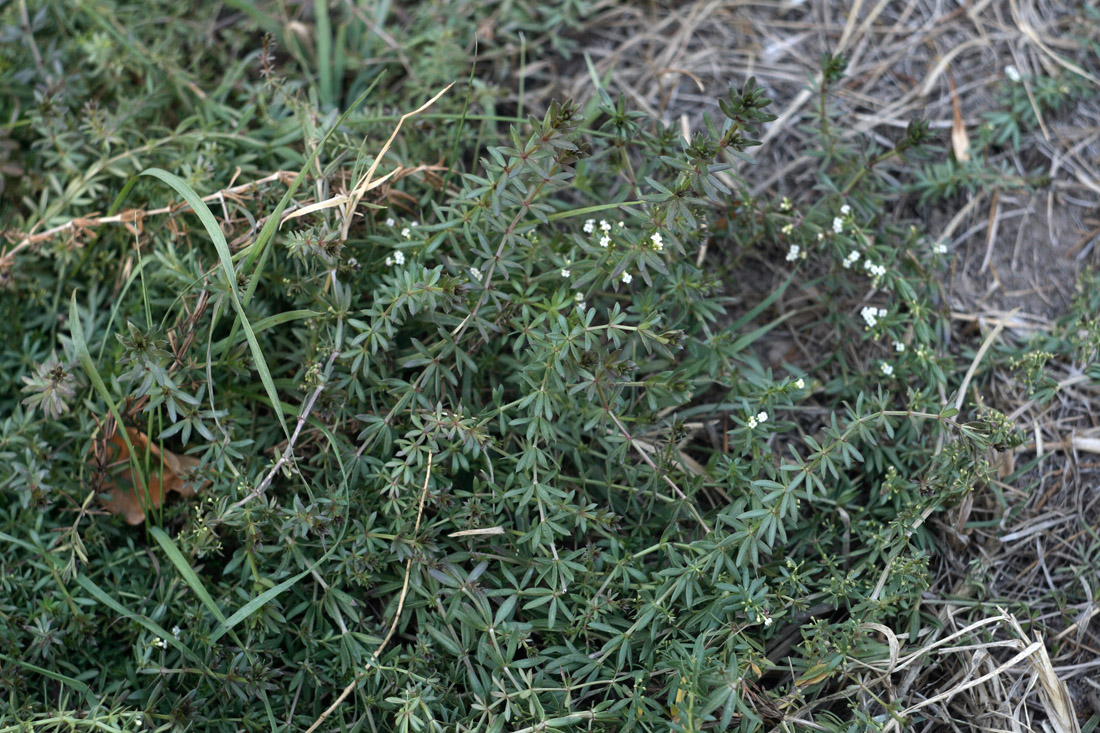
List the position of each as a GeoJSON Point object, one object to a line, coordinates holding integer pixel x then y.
{"type": "Point", "coordinates": [486, 432]}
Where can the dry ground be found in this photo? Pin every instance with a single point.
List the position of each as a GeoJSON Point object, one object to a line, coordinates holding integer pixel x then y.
{"type": "Point", "coordinates": [1039, 561]}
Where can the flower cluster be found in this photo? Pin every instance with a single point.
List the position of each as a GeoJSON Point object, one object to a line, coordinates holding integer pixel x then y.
{"type": "Point", "coordinates": [851, 259]}
{"type": "Point", "coordinates": [406, 232]}
{"type": "Point", "coordinates": [795, 253]}
{"type": "Point", "coordinates": [838, 221]}
{"type": "Point", "coordinates": [656, 239]}
{"type": "Point", "coordinates": [757, 419]}
{"type": "Point", "coordinates": [875, 271]}
{"type": "Point", "coordinates": [397, 258]}
{"type": "Point", "coordinates": [871, 315]}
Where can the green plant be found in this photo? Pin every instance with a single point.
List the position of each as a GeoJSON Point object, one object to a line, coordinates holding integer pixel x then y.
{"type": "Point", "coordinates": [1017, 106]}
{"type": "Point", "coordinates": [509, 455]}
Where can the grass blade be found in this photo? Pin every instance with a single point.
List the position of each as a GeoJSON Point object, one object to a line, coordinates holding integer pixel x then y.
{"type": "Point", "coordinates": [259, 246]}
{"type": "Point", "coordinates": [102, 596]}
{"type": "Point", "coordinates": [229, 272]}
{"type": "Point", "coordinates": [256, 604]}
{"type": "Point", "coordinates": [185, 569]}
{"type": "Point", "coordinates": [83, 689]}
{"type": "Point", "coordinates": [85, 358]}
{"type": "Point", "coordinates": [272, 321]}
{"type": "Point", "coordinates": [324, 52]}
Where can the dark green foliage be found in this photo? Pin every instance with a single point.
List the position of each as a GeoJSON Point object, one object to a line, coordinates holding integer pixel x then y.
{"type": "Point", "coordinates": [562, 459]}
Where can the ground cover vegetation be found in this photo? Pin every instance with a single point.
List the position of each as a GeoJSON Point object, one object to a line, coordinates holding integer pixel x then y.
{"type": "Point", "coordinates": [345, 386]}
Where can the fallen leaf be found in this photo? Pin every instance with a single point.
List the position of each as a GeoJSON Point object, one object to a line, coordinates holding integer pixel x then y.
{"type": "Point", "coordinates": [960, 141]}
{"type": "Point", "coordinates": [124, 495]}
{"type": "Point", "coordinates": [816, 673]}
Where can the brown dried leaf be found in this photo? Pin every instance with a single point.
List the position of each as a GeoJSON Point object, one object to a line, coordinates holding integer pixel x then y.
{"type": "Point", "coordinates": [960, 141]}
{"type": "Point", "coordinates": [125, 496]}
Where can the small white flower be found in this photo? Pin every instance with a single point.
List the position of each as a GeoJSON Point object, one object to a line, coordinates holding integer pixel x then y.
{"type": "Point", "coordinates": [785, 204]}
{"type": "Point", "coordinates": [658, 241]}
{"type": "Point", "coordinates": [845, 210]}
{"type": "Point", "coordinates": [762, 417]}
{"type": "Point", "coordinates": [565, 272]}
{"type": "Point", "coordinates": [579, 300]}
{"type": "Point", "coordinates": [881, 312]}
{"type": "Point", "coordinates": [767, 621]}
{"type": "Point", "coordinates": [161, 643]}
{"type": "Point", "coordinates": [800, 383]}
{"type": "Point", "coordinates": [399, 257]}
{"type": "Point", "coordinates": [589, 226]}
{"type": "Point", "coordinates": [176, 631]}
{"type": "Point", "coordinates": [415, 223]}
{"type": "Point", "coordinates": [875, 271]}
{"type": "Point", "coordinates": [870, 315]}
{"type": "Point", "coordinates": [752, 423]}
{"type": "Point", "coordinates": [792, 253]}
{"type": "Point", "coordinates": [1012, 73]}
{"type": "Point", "coordinates": [941, 249]}
{"type": "Point", "coordinates": [820, 236]}
{"type": "Point", "coordinates": [391, 222]}
{"type": "Point", "coordinates": [899, 346]}
{"type": "Point", "coordinates": [838, 225]}
{"type": "Point", "coordinates": [788, 230]}
{"type": "Point", "coordinates": [604, 226]}
{"type": "Point", "coordinates": [476, 274]}
{"type": "Point", "coordinates": [851, 259]}
{"type": "Point", "coordinates": [389, 261]}
{"type": "Point", "coordinates": [627, 278]}
{"type": "Point", "coordinates": [887, 369]}
{"type": "Point", "coordinates": [623, 224]}
{"type": "Point", "coordinates": [406, 233]}
{"type": "Point", "coordinates": [605, 240]}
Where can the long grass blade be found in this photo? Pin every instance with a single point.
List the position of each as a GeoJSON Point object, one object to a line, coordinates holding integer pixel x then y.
{"type": "Point", "coordinates": [229, 273]}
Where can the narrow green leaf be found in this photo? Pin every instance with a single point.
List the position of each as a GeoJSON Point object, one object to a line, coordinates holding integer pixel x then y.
{"type": "Point", "coordinates": [85, 358]}
{"type": "Point", "coordinates": [229, 273]}
{"type": "Point", "coordinates": [255, 605]}
{"type": "Point", "coordinates": [323, 27]}
{"type": "Point", "coordinates": [765, 303]}
{"type": "Point", "coordinates": [100, 595]}
{"type": "Point", "coordinates": [185, 569]}
{"type": "Point", "coordinates": [271, 322]}
{"type": "Point", "coordinates": [89, 697]}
